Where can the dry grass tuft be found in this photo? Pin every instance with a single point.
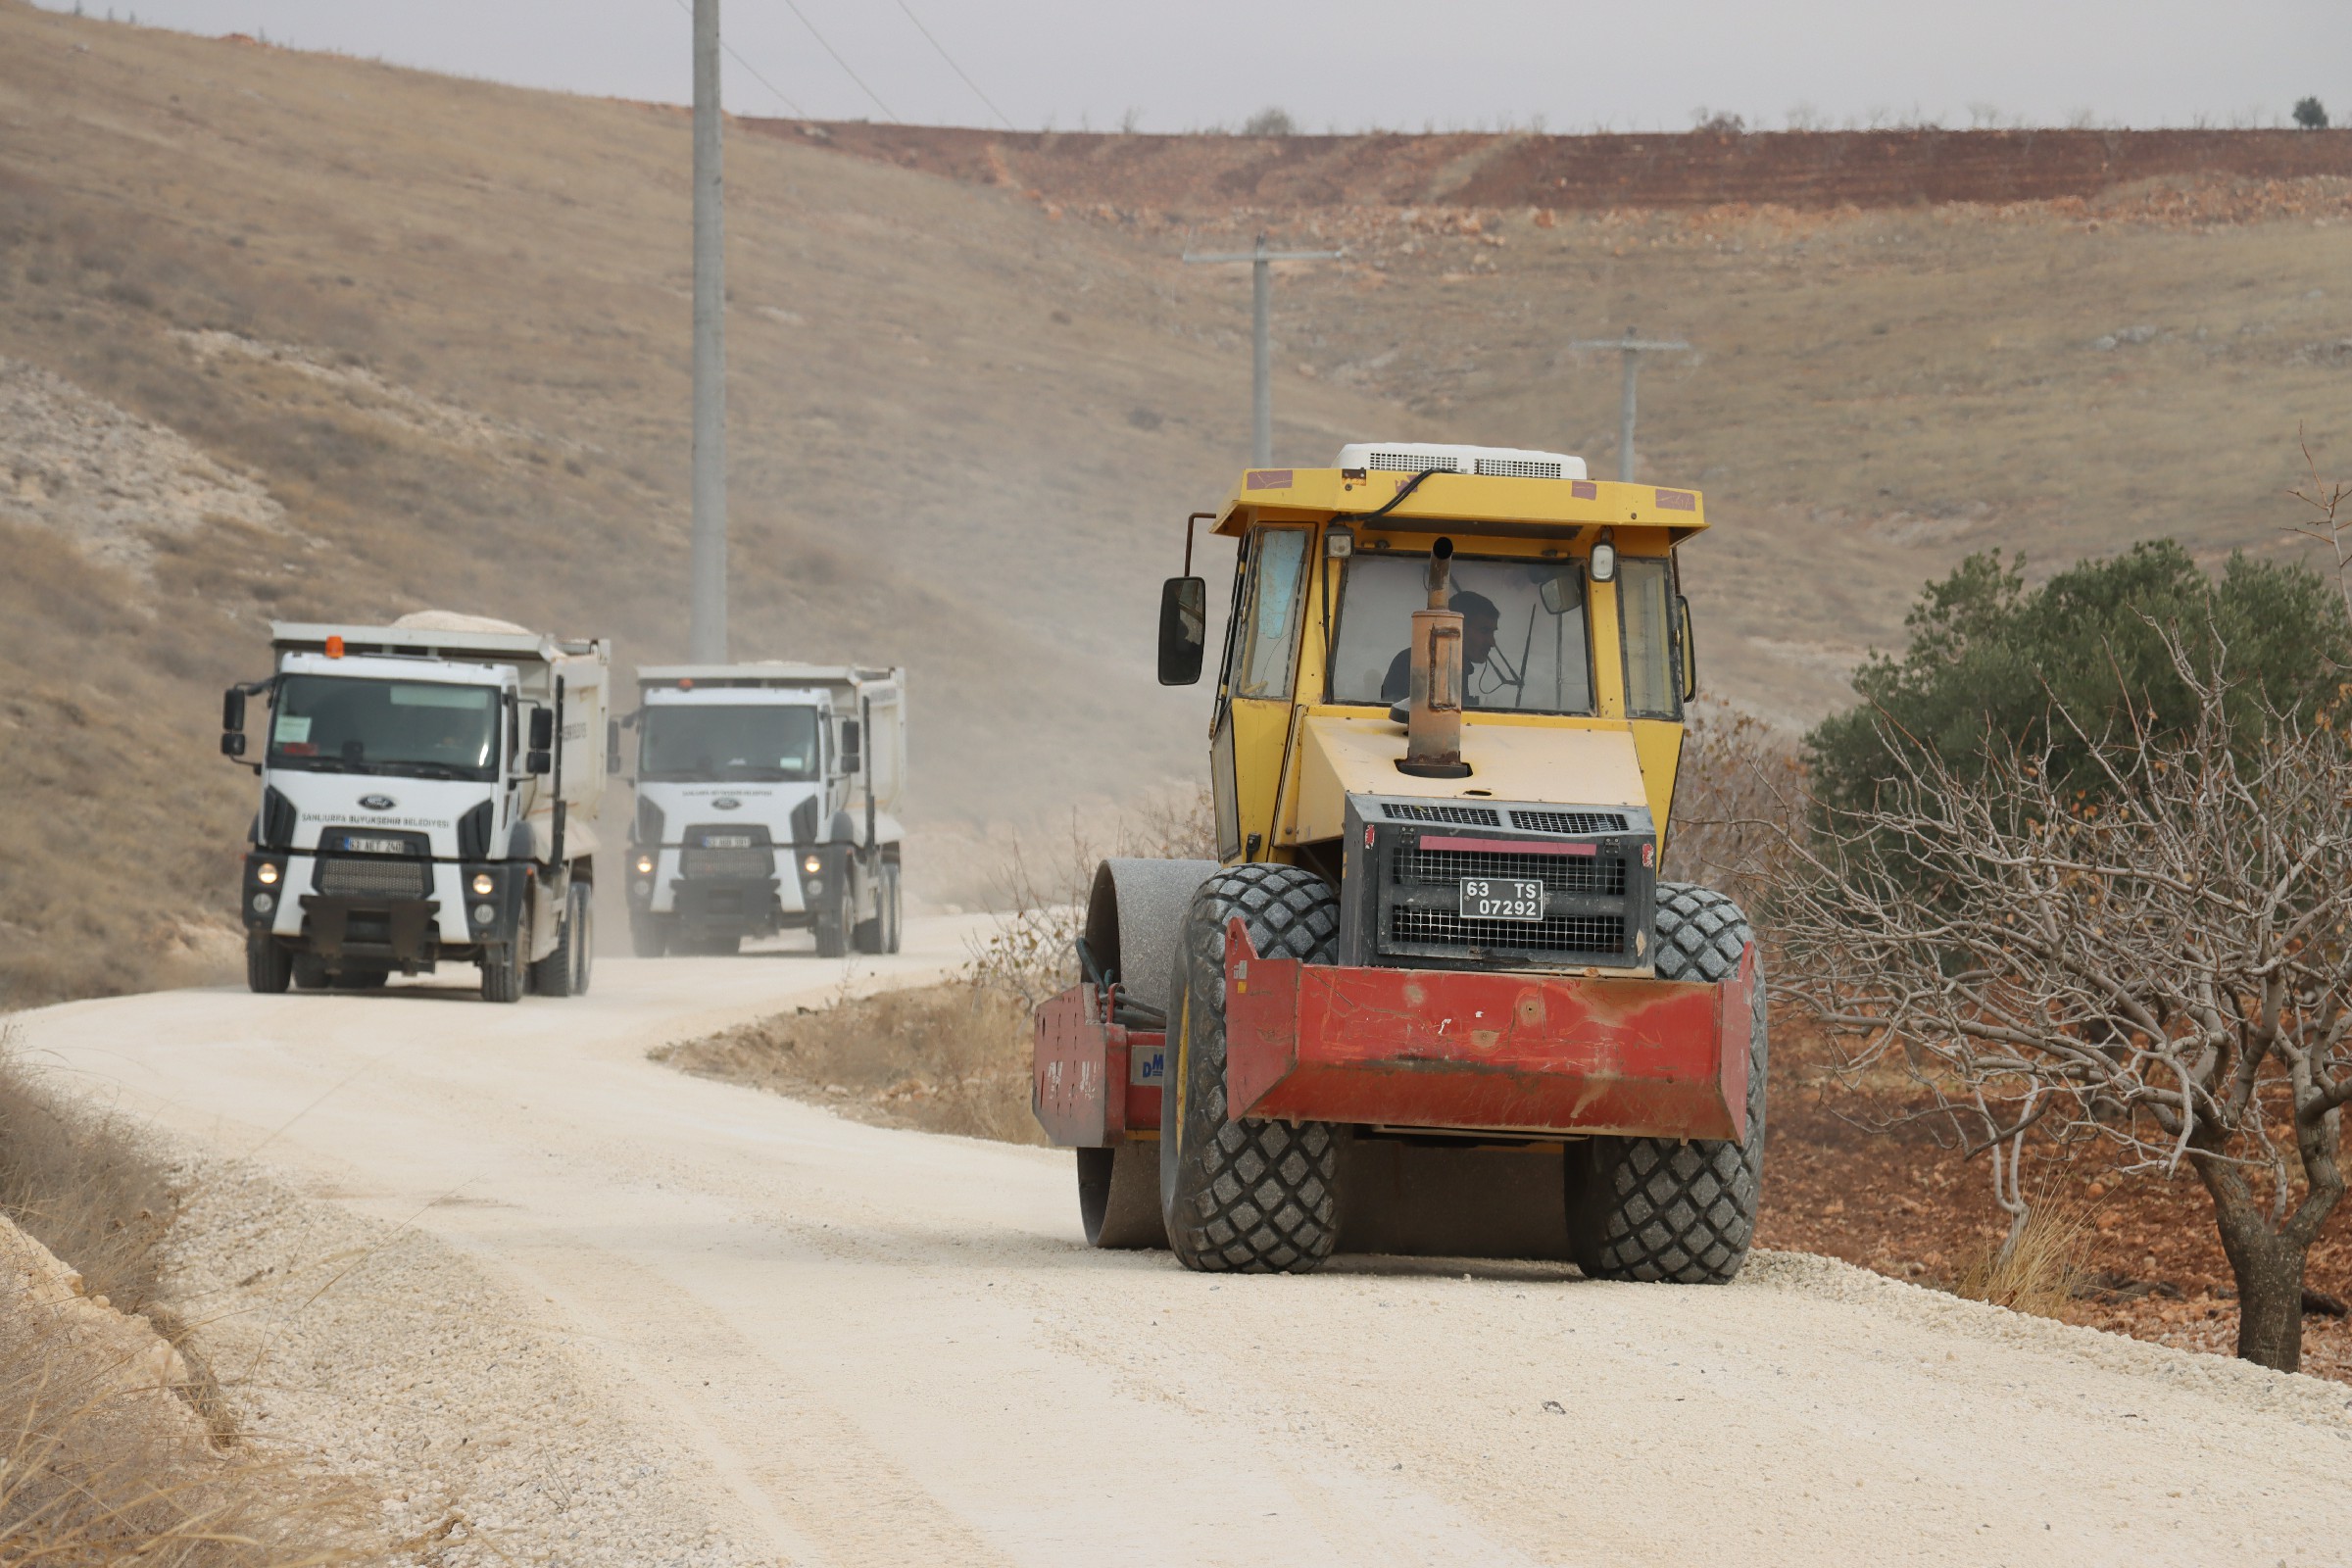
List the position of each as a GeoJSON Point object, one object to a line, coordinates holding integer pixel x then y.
{"type": "Point", "coordinates": [2040, 1269]}
{"type": "Point", "coordinates": [103, 1459]}
{"type": "Point", "coordinates": [948, 1058]}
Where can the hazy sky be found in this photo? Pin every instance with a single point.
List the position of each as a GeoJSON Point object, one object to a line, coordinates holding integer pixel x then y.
{"type": "Point", "coordinates": [1182, 64]}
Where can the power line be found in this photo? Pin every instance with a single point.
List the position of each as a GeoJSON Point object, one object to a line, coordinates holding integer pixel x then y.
{"type": "Point", "coordinates": [887, 112]}
{"type": "Point", "coordinates": [953, 66]}
{"type": "Point", "coordinates": [798, 113]}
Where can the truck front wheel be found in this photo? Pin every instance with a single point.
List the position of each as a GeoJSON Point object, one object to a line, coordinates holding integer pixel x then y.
{"type": "Point", "coordinates": [1248, 1197]}
{"type": "Point", "coordinates": [564, 971]}
{"type": "Point", "coordinates": [1672, 1210]}
{"type": "Point", "coordinates": [833, 923]}
{"type": "Point", "coordinates": [881, 934]}
{"type": "Point", "coordinates": [507, 968]}
{"type": "Point", "coordinates": [268, 966]}
{"type": "Point", "coordinates": [649, 936]}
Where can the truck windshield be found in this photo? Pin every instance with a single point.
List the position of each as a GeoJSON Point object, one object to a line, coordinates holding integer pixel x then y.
{"type": "Point", "coordinates": [685, 745]}
{"type": "Point", "coordinates": [350, 724]}
{"type": "Point", "coordinates": [1523, 632]}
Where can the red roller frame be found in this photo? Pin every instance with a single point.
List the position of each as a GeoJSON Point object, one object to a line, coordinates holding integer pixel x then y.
{"type": "Point", "coordinates": [1423, 1048]}
{"type": "Point", "coordinates": [1079, 1055]}
{"type": "Point", "coordinates": [1485, 1050]}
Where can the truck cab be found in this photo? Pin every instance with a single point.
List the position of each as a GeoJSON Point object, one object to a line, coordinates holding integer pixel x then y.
{"type": "Point", "coordinates": [766, 801]}
{"type": "Point", "coordinates": [418, 786]}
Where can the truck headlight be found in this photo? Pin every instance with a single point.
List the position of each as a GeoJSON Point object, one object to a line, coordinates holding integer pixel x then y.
{"type": "Point", "coordinates": [645, 865]}
{"type": "Point", "coordinates": [811, 864]}
{"type": "Point", "coordinates": [484, 884]}
{"type": "Point", "coordinates": [266, 873]}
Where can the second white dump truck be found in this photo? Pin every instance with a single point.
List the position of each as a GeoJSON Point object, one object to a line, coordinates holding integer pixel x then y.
{"type": "Point", "coordinates": [429, 793]}
{"type": "Point", "coordinates": [767, 799]}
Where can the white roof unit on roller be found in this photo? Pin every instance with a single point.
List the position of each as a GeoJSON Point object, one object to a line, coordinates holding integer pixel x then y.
{"type": "Point", "coordinates": [1417, 456]}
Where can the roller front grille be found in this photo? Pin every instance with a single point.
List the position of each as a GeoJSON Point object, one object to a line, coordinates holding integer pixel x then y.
{"type": "Point", "coordinates": [1597, 936]}
{"type": "Point", "coordinates": [1568, 821]}
{"type": "Point", "coordinates": [358, 876]}
{"type": "Point", "coordinates": [1592, 875]}
{"type": "Point", "coordinates": [1463, 815]}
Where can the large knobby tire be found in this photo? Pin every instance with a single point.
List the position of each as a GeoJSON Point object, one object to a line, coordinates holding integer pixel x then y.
{"type": "Point", "coordinates": [1119, 1197]}
{"type": "Point", "coordinates": [268, 966]}
{"type": "Point", "coordinates": [1664, 1208]}
{"type": "Point", "coordinates": [1249, 1197]}
{"type": "Point", "coordinates": [564, 972]}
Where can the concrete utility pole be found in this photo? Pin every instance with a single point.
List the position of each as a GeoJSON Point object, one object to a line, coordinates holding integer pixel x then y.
{"type": "Point", "coordinates": [1633, 347]}
{"type": "Point", "coordinates": [708, 569]}
{"type": "Point", "coordinates": [1262, 346]}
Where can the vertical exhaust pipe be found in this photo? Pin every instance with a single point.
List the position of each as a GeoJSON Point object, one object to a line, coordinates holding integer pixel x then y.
{"type": "Point", "coordinates": [1433, 725]}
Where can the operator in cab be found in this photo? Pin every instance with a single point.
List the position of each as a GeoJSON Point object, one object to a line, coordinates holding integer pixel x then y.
{"type": "Point", "coordinates": [1481, 620]}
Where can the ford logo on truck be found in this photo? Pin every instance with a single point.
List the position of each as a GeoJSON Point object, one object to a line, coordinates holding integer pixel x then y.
{"type": "Point", "coordinates": [726, 803]}
{"type": "Point", "coordinates": [378, 803]}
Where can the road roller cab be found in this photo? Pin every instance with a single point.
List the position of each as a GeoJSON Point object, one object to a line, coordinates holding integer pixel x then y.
{"type": "Point", "coordinates": [1432, 995]}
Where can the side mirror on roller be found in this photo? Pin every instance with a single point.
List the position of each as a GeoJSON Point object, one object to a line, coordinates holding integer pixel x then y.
{"type": "Point", "coordinates": [1183, 629]}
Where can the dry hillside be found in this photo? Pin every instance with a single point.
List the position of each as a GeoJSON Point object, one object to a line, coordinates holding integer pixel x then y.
{"type": "Point", "coordinates": [288, 335]}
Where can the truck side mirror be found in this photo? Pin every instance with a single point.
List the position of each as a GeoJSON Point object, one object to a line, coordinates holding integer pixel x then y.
{"type": "Point", "coordinates": [1689, 651]}
{"type": "Point", "coordinates": [543, 729]}
{"type": "Point", "coordinates": [1183, 629]}
{"type": "Point", "coordinates": [852, 750]}
{"type": "Point", "coordinates": [539, 763]}
{"type": "Point", "coordinates": [232, 723]}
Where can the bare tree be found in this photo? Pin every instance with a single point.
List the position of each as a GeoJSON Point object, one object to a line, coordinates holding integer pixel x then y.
{"type": "Point", "coordinates": [2328, 522]}
{"type": "Point", "coordinates": [2155, 955]}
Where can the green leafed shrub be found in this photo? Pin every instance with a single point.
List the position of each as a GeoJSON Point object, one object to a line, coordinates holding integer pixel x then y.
{"type": "Point", "coordinates": [1988, 658]}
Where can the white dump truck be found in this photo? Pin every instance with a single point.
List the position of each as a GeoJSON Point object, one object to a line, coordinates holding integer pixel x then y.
{"type": "Point", "coordinates": [767, 799]}
{"type": "Point", "coordinates": [429, 792]}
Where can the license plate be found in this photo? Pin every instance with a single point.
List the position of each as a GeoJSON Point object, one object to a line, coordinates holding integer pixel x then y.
{"type": "Point", "coordinates": [1486, 898]}
{"type": "Point", "coordinates": [359, 846]}
{"type": "Point", "coordinates": [726, 841]}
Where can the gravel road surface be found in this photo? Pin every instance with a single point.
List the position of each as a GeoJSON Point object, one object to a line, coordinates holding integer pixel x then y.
{"type": "Point", "coordinates": [701, 1324]}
